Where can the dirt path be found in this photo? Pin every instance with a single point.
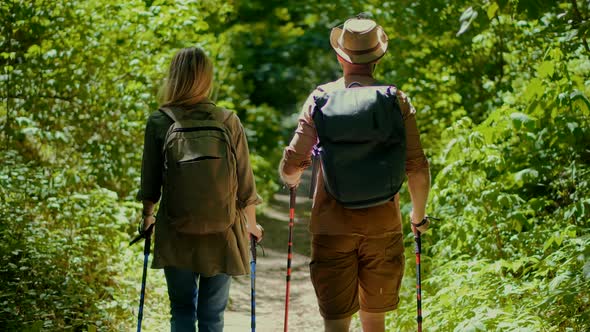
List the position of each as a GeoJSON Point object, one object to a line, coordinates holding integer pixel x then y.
{"type": "Point", "coordinates": [271, 271]}
{"type": "Point", "coordinates": [270, 296]}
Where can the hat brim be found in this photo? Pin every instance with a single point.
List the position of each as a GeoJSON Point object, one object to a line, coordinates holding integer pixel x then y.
{"type": "Point", "coordinates": [364, 58]}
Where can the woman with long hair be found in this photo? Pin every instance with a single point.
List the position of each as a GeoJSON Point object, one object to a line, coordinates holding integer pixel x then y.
{"type": "Point", "coordinates": [203, 176]}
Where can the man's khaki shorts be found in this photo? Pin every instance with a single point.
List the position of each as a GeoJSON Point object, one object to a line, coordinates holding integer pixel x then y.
{"type": "Point", "coordinates": [350, 272]}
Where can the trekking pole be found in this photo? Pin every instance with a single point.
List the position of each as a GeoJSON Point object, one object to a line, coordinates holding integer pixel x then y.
{"type": "Point", "coordinates": [418, 250]}
{"type": "Point", "coordinates": [253, 282]}
{"type": "Point", "coordinates": [146, 252]}
{"type": "Point", "coordinates": [292, 192]}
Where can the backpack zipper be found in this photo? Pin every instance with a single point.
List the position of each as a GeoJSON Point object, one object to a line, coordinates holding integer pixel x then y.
{"type": "Point", "coordinates": [196, 159]}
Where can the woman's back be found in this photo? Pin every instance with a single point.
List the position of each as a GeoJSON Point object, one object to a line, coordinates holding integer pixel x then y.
{"type": "Point", "coordinates": [173, 245]}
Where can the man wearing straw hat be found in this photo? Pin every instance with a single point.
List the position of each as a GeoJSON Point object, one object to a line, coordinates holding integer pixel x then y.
{"type": "Point", "coordinates": [357, 258]}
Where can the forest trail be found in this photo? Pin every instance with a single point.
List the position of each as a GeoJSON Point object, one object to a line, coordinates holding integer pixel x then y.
{"type": "Point", "coordinates": [271, 269]}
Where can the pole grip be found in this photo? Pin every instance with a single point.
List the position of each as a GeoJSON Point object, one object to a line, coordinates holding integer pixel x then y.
{"type": "Point", "coordinates": [253, 247]}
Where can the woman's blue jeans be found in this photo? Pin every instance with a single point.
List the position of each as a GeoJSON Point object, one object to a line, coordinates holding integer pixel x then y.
{"type": "Point", "coordinates": [190, 303]}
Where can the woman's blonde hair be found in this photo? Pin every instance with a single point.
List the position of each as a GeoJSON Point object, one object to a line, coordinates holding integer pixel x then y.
{"type": "Point", "coordinates": [189, 80]}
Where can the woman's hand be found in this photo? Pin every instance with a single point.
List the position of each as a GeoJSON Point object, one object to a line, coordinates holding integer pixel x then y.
{"type": "Point", "coordinates": [253, 228]}
{"type": "Point", "coordinates": [147, 216]}
{"type": "Point", "coordinates": [256, 231]}
{"type": "Point", "coordinates": [147, 222]}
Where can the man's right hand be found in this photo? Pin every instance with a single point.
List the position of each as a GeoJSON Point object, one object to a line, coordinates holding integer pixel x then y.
{"type": "Point", "coordinates": [421, 225]}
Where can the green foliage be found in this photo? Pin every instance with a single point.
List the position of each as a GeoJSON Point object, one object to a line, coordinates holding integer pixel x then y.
{"type": "Point", "coordinates": [513, 188]}
{"type": "Point", "coordinates": [79, 79]}
{"type": "Point", "coordinates": [62, 240]}
{"type": "Point", "coordinates": [501, 89]}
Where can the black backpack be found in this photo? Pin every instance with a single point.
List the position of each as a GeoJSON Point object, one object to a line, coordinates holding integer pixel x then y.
{"type": "Point", "coordinates": [362, 144]}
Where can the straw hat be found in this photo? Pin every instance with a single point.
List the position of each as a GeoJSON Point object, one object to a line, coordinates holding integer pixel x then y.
{"type": "Point", "coordinates": [359, 41]}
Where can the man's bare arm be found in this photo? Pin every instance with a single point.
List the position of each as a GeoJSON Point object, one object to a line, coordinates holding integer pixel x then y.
{"type": "Point", "coordinates": [419, 186]}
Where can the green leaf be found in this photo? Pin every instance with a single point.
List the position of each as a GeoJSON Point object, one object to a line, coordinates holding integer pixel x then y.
{"type": "Point", "coordinates": [548, 243]}
{"type": "Point", "coordinates": [8, 55]}
{"type": "Point", "coordinates": [503, 200]}
{"type": "Point", "coordinates": [558, 280]}
{"type": "Point", "coordinates": [546, 69]}
{"type": "Point", "coordinates": [466, 18]}
{"type": "Point", "coordinates": [282, 14]}
{"type": "Point", "coordinates": [492, 9]}
{"type": "Point", "coordinates": [572, 126]}
{"type": "Point", "coordinates": [464, 26]}
{"type": "Point", "coordinates": [520, 120]}
{"type": "Point", "coordinates": [526, 175]}
{"type": "Point", "coordinates": [36, 326]}
{"type": "Point", "coordinates": [533, 89]}
{"type": "Point", "coordinates": [579, 95]}
{"type": "Point", "coordinates": [467, 14]}
{"type": "Point", "coordinates": [34, 50]}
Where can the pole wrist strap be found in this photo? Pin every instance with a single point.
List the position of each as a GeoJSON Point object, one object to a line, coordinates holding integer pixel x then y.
{"type": "Point", "coordinates": [421, 223]}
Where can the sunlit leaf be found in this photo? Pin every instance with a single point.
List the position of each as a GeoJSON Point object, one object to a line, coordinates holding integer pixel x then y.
{"type": "Point", "coordinates": [492, 9]}
{"type": "Point", "coordinates": [546, 69]}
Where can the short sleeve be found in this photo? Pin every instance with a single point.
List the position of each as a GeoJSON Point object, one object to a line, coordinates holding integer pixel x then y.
{"type": "Point", "coordinates": [415, 157]}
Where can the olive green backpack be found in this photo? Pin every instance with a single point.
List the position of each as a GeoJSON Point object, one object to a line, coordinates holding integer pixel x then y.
{"type": "Point", "coordinates": [200, 179]}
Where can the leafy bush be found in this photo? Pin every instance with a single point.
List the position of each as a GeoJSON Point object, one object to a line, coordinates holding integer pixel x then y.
{"type": "Point", "coordinates": [512, 252]}
{"type": "Point", "coordinates": [62, 249]}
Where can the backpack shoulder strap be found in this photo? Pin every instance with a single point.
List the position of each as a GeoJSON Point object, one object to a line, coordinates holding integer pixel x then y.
{"type": "Point", "coordinates": [319, 97]}
{"type": "Point", "coordinates": [216, 114]}
{"type": "Point", "coordinates": [170, 113]}
{"type": "Point", "coordinates": [221, 115]}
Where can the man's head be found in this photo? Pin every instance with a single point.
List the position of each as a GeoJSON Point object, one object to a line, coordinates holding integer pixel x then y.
{"type": "Point", "coordinates": [359, 41]}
